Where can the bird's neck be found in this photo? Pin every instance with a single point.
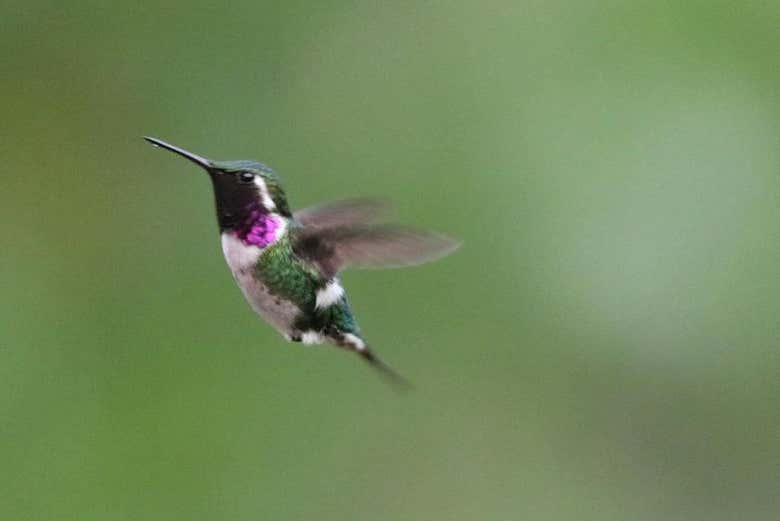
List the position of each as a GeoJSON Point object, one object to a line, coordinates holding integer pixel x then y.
{"type": "Point", "coordinates": [259, 227]}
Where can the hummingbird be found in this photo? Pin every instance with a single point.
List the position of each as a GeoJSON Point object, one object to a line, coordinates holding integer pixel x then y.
{"type": "Point", "coordinates": [287, 264]}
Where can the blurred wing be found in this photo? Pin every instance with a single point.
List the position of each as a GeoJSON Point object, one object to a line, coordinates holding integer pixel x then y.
{"type": "Point", "coordinates": [386, 246]}
{"type": "Point", "coordinates": [343, 213]}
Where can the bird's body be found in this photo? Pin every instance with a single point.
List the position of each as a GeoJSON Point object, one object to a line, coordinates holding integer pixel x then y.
{"type": "Point", "coordinates": [286, 290]}
{"type": "Point", "coordinates": [287, 265]}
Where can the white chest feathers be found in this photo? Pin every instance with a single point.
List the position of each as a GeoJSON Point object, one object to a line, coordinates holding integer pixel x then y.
{"type": "Point", "coordinates": [240, 257]}
{"type": "Point", "coordinates": [242, 260]}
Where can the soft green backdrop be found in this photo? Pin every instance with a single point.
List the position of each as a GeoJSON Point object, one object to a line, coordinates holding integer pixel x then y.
{"type": "Point", "coordinates": [604, 346]}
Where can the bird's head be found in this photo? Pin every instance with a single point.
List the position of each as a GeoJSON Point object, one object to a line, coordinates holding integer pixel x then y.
{"type": "Point", "coordinates": [240, 187]}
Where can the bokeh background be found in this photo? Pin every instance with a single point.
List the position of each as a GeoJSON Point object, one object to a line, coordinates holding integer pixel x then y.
{"type": "Point", "coordinates": [603, 347]}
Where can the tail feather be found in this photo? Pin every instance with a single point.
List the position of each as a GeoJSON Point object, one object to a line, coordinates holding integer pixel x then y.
{"type": "Point", "coordinates": [353, 342]}
{"type": "Point", "coordinates": [389, 374]}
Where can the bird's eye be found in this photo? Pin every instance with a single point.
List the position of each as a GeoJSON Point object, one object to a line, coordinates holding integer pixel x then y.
{"type": "Point", "coordinates": [246, 177]}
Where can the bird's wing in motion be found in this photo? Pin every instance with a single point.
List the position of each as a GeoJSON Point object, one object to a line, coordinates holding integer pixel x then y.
{"type": "Point", "coordinates": [369, 246]}
{"type": "Point", "coordinates": [343, 213]}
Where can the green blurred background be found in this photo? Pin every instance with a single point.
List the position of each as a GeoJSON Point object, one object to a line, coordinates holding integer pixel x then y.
{"type": "Point", "coordinates": [603, 347]}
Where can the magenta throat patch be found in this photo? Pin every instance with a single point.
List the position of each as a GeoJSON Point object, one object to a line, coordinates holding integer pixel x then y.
{"type": "Point", "coordinates": [259, 229]}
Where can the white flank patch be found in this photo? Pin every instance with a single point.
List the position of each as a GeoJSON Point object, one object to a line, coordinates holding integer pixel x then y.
{"type": "Point", "coordinates": [238, 255]}
{"type": "Point", "coordinates": [311, 337]}
{"type": "Point", "coordinates": [355, 341]}
{"type": "Point", "coordinates": [329, 295]}
{"type": "Point", "coordinates": [265, 196]}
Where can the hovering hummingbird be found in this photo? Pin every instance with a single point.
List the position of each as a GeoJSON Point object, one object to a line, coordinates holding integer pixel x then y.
{"type": "Point", "coordinates": [287, 264]}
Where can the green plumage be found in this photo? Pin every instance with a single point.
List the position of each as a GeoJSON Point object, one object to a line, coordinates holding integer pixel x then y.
{"type": "Point", "coordinates": [290, 277]}
{"type": "Point", "coordinates": [287, 276]}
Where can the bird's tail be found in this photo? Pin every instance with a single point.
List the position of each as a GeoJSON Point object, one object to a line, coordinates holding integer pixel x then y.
{"type": "Point", "coordinates": [354, 343]}
{"type": "Point", "coordinates": [389, 374]}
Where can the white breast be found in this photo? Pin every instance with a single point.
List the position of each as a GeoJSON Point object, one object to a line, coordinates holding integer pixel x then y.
{"type": "Point", "coordinates": [241, 260]}
{"type": "Point", "coordinates": [238, 255]}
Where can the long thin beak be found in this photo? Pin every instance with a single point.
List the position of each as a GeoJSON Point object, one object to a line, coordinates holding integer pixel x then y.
{"type": "Point", "coordinates": [202, 161]}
